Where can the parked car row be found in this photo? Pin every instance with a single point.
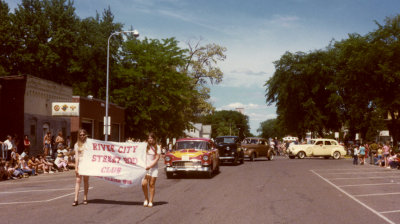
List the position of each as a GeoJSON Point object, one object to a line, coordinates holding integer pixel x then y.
{"type": "Point", "coordinates": [202, 155]}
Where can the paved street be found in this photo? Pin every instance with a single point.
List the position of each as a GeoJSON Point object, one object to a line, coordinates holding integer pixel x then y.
{"type": "Point", "coordinates": [280, 191]}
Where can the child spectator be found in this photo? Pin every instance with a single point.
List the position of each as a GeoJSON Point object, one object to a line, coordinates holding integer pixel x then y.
{"type": "Point", "coordinates": [60, 162]}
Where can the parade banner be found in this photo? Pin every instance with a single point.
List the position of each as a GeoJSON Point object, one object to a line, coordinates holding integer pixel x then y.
{"type": "Point", "coordinates": [121, 163]}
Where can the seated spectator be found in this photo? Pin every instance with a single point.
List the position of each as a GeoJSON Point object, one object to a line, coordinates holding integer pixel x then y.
{"type": "Point", "coordinates": [3, 172]}
{"type": "Point", "coordinates": [23, 165]}
{"type": "Point", "coordinates": [62, 150]}
{"type": "Point", "coordinates": [48, 166]}
{"type": "Point", "coordinates": [60, 162]}
{"type": "Point", "coordinates": [393, 161]}
{"type": "Point", "coordinates": [14, 154]}
{"type": "Point", "coordinates": [13, 172]}
{"type": "Point", "coordinates": [33, 163]}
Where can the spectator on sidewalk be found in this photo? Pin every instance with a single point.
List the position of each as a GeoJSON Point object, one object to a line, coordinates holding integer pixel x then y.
{"type": "Point", "coordinates": [4, 175]}
{"type": "Point", "coordinates": [48, 166]}
{"type": "Point", "coordinates": [59, 140]}
{"type": "Point", "coordinates": [27, 144]}
{"type": "Point", "coordinates": [46, 143]}
{"type": "Point", "coordinates": [14, 173]}
{"type": "Point", "coordinates": [8, 147]}
{"type": "Point", "coordinates": [386, 153]}
{"type": "Point", "coordinates": [355, 155]}
{"type": "Point", "coordinates": [61, 163]}
{"type": "Point", "coordinates": [23, 165]}
{"type": "Point", "coordinates": [361, 154]}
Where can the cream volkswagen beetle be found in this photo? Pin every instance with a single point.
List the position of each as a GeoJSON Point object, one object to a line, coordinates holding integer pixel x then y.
{"type": "Point", "coordinates": [317, 148]}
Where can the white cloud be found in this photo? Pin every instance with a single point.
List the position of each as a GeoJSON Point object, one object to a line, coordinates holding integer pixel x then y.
{"type": "Point", "coordinates": [249, 106]}
{"type": "Point", "coordinates": [284, 21]}
{"type": "Point", "coordinates": [235, 78]}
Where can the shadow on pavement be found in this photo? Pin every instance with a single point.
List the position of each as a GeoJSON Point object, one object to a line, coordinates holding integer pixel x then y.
{"type": "Point", "coordinates": [113, 202]}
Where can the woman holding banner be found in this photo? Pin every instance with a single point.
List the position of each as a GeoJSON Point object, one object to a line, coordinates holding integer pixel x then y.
{"type": "Point", "coordinates": [153, 152]}
{"type": "Point", "coordinates": [79, 149]}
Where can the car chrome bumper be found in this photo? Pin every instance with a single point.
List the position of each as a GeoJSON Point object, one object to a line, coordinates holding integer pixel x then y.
{"type": "Point", "coordinates": [226, 158]}
{"type": "Point", "coordinates": [187, 169]}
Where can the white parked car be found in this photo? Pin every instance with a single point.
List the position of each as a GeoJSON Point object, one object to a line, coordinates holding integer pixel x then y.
{"type": "Point", "coordinates": [317, 148]}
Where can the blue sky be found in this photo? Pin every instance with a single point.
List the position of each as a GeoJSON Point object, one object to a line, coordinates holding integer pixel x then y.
{"type": "Point", "coordinates": [255, 33]}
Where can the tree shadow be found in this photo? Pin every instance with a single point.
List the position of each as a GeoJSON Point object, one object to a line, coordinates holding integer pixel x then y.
{"type": "Point", "coordinates": [114, 202]}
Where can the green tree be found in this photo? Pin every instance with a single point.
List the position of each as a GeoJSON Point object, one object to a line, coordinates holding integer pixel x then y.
{"type": "Point", "coordinates": [300, 88]}
{"type": "Point", "coordinates": [201, 66]}
{"type": "Point", "coordinates": [90, 70]}
{"type": "Point", "coordinates": [227, 122]}
{"type": "Point", "coordinates": [7, 40]}
{"type": "Point", "coordinates": [385, 46]}
{"type": "Point", "coordinates": [152, 89]}
{"type": "Point", "coordinates": [271, 129]}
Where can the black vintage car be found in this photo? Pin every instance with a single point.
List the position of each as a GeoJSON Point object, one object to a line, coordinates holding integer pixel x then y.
{"type": "Point", "coordinates": [229, 148]}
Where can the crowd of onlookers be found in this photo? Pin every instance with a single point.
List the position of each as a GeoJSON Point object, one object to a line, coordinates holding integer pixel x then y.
{"type": "Point", "coordinates": [379, 154]}
{"type": "Point", "coordinates": [57, 156]}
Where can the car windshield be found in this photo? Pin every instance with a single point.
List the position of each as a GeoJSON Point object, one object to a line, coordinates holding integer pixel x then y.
{"type": "Point", "coordinates": [250, 141]}
{"type": "Point", "coordinates": [311, 142]}
{"type": "Point", "coordinates": [199, 145]}
{"type": "Point", "coordinates": [225, 140]}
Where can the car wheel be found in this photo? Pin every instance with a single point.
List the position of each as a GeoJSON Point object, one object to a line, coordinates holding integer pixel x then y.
{"type": "Point", "coordinates": [292, 157]}
{"type": "Point", "coordinates": [271, 157]}
{"type": "Point", "coordinates": [169, 175]}
{"type": "Point", "coordinates": [235, 161]}
{"type": "Point", "coordinates": [301, 155]}
{"type": "Point", "coordinates": [336, 155]}
{"type": "Point", "coordinates": [217, 169]}
{"type": "Point", "coordinates": [209, 173]}
{"type": "Point", "coordinates": [252, 156]}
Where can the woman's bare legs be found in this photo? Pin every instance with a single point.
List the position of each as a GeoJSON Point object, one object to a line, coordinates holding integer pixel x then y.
{"type": "Point", "coordinates": [77, 186]}
{"type": "Point", "coordinates": [152, 187]}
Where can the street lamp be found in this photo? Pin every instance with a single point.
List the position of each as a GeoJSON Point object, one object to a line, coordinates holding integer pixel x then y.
{"type": "Point", "coordinates": [106, 120]}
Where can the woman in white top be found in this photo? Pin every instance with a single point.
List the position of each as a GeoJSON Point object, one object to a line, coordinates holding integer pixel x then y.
{"type": "Point", "coordinates": [80, 148]}
{"type": "Point", "coordinates": [149, 181]}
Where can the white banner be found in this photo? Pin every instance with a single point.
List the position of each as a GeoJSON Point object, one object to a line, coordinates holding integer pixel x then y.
{"type": "Point", "coordinates": [122, 163]}
{"type": "Point", "coordinates": [64, 109]}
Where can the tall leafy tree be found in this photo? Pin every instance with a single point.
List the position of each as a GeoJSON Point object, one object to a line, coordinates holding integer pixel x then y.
{"type": "Point", "coordinates": [90, 70]}
{"type": "Point", "coordinates": [300, 87]}
{"type": "Point", "coordinates": [201, 66]}
{"type": "Point", "coordinates": [157, 96]}
{"type": "Point", "coordinates": [385, 46]}
{"type": "Point", "coordinates": [227, 122]}
{"type": "Point", "coordinates": [271, 129]}
{"type": "Point", "coordinates": [7, 40]}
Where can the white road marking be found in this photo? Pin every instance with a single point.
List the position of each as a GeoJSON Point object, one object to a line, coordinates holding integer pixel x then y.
{"type": "Point", "coordinates": [356, 173]}
{"type": "Point", "coordinates": [360, 185]}
{"type": "Point", "coordinates": [390, 211]}
{"type": "Point", "coordinates": [376, 194]}
{"type": "Point", "coordinates": [355, 199]}
{"type": "Point", "coordinates": [14, 192]}
{"type": "Point", "coordinates": [48, 200]}
{"type": "Point", "coordinates": [349, 178]}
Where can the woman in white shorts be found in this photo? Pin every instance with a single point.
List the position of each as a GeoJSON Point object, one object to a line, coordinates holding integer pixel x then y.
{"type": "Point", "coordinates": [149, 181]}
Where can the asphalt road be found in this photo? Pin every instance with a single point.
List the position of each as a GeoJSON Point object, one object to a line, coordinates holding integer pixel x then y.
{"type": "Point", "coordinates": [280, 191]}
